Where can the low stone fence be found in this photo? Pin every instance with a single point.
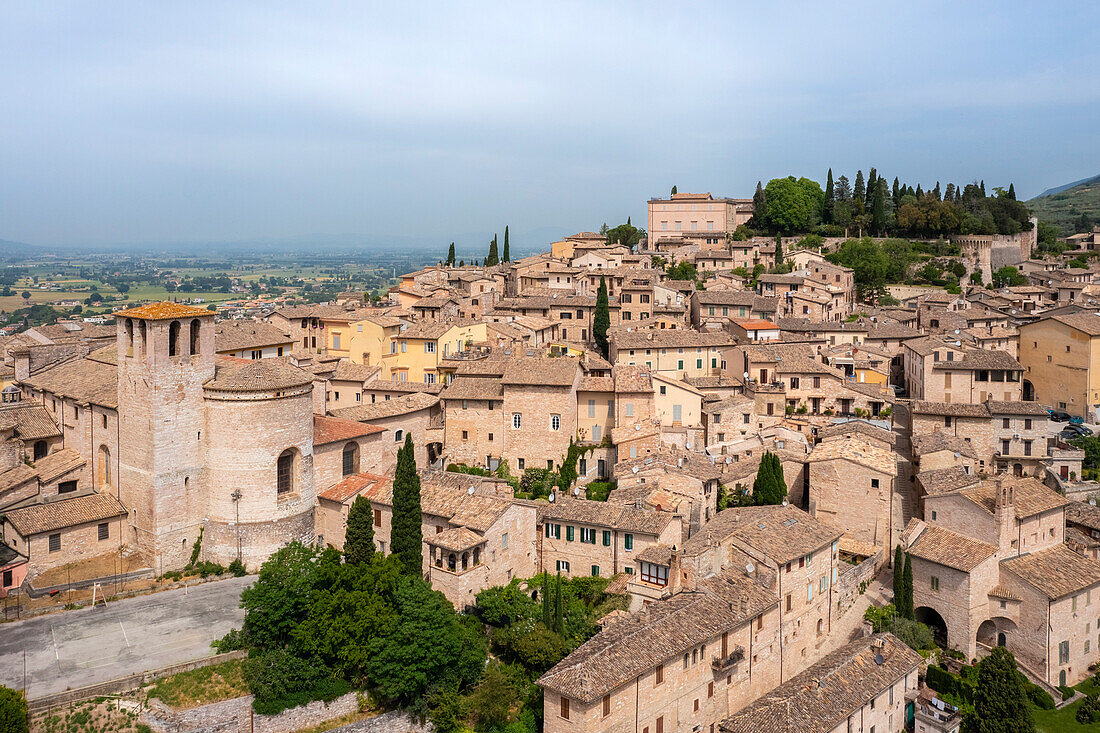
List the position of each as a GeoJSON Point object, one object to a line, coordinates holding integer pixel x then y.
{"type": "Point", "coordinates": [849, 583]}
{"type": "Point", "coordinates": [123, 684]}
{"type": "Point", "coordinates": [237, 716]}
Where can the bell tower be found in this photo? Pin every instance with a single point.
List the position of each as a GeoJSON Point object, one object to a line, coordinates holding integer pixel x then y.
{"type": "Point", "coordinates": [165, 354]}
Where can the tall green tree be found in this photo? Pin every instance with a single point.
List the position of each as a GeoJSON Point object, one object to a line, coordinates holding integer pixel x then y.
{"type": "Point", "coordinates": [493, 258]}
{"type": "Point", "coordinates": [896, 195]}
{"type": "Point", "coordinates": [451, 255]}
{"type": "Point", "coordinates": [546, 610]}
{"type": "Point", "coordinates": [406, 535]}
{"type": "Point", "coordinates": [859, 191]}
{"type": "Point", "coordinates": [359, 537]}
{"type": "Point", "coordinates": [601, 318]}
{"type": "Point", "coordinates": [1000, 702]}
{"type": "Point", "coordinates": [673, 191]}
{"type": "Point", "coordinates": [872, 182]}
{"type": "Point", "coordinates": [507, 252]}
{"type": "Point", "coordinates": [778, 251]}
{"type": "Point", "coordinates": [907, 589]}
{"type": "Point", "coordinates": [793, 205]}
{"type": "Point", "coordinates": [13, 711]}
{"type": "Point", "coordinates": [558, 617]}
{"type": "Point", "coordinates": [769, 487]}
{"type": "Point", "coordinates": [830, 199]}
{"type": "Point", "coordinates": [899, 574]}
{"type": "Point", "coordinates": [878, 208]}
{"type": "Point", "coordinates": [1012, 191]}
{"type": "Point", "coordinates": [759, 205]}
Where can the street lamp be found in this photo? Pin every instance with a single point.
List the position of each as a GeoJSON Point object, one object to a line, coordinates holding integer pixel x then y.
{"type": "Point", "coordinates": [236, 497]}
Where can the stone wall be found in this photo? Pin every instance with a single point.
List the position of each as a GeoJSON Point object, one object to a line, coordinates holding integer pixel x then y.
{"type": "Point", "coordinates": [236, 715]}
{"type": "Point", "coordinates": [850, 580]}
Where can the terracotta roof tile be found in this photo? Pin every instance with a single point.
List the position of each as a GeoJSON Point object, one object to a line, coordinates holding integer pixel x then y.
{"type": "Point", "coordinates": [256, 375]}
{"type": "Point", "coordinates": [782, 533]}
{"type": "Point", "coordinates": [352, 486]}
{"type": "Point", "coordinates": [950, 549]}
{"type": "Point", "coordinates": [164, 312]}
{"type": "Point", "coordinates": [387, 408]}
{"type": "Point", "coordinates": [333, 429]}
{"type": "Point", "coordinates": [39, 518]}
{"type": "Point", "coordinates": [1056, 572]}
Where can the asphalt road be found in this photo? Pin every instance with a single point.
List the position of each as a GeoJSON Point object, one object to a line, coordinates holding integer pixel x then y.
{"type": "Point", "coordinates": [90, 645]}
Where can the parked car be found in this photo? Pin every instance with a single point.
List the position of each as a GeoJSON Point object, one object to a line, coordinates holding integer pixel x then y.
{"type": "Point", "coordinates": [1074, 431]}
{"type": "Point", "coordinates": [1074, 420]}
{"type": "Point", "coordinates": [1059, 416]}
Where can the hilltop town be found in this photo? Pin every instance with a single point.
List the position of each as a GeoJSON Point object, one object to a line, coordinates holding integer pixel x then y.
{"type": "Point", "coordinates": [769, 478]}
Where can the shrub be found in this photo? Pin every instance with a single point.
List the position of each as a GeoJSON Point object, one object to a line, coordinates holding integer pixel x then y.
{"type": "Point", "coordinates": [13, 711]}
{"type": "Point", "coordinates": [942, 681]}
{"type": "Point", "coordinates": [237, 568]}
{"type": "Point", "coordinates": [880, 616]}
{"type": "Point", "coordinates": [913, 634]}
{"type": "Point", "coordinates": [1089, 712]}
{"type": "Point", "coordinates": [599, 490]}
{"type": "Point", "coordinates": [1067, 692]}
{"type": "Point", "coordinates": [1039, 697]}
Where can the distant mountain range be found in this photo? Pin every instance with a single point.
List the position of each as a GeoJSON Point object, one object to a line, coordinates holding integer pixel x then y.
{"type": "Point", "coordinates": [1071, 207]}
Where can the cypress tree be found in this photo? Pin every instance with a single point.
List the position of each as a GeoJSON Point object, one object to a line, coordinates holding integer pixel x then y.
{"type": "Point", "coordinates": [359, 537]}
{"type": "Point", "coordinates": [949, 193]}
{"type": "Point", "coordinates": [462, 263]}
{"type": "Point", "coordinates": [546, 600]}
{"type": "Point", "coordinates": [780, 481]}
{"type": "Point", "coordinates": [859, 193]}
{"type": "Point", "coordinates": [1012, 191]}
{"type": "Point", "coordinates": [983, 188]}
{"type": "Point", "coordinates": [899, 575]}
{"type": "Point", "coordinates": [872, 184]}
{"type": "Point", "coordinates": [830, 197]}
{"type": "Point", "coordinates": [878, 208]}
{"type": "Point", "coordinates": [907, 582]}
{"type": "Point", "coordinates": [406, 536]}
{"type": "Point", "coordinates": [451, 255]}
{"type": "Point", "coordinates": [936, 191]}
{"type": "Point", "coordinates": [778, 251]}
{"type": "Point", "coordinates": [920, 193]}
{"type": "Point", "coordinates": [769, 488]}
{"type": "Point", "coordinates": [557, 605]}
{"type": "Point", "coordinates": [601, 318]}
{"type": "Point", "coordinates": [1000, 702]}
{"type": "Point", "coordinates": [759, 205]}
{"type": "Point", "coordinates": [896, 193]}
{"type": "Point", "coordinates": [507, 254]}
{"type": "Point", "coordinates": [673, 191]}
{"type": "Point", "coordinates": [493, 258]}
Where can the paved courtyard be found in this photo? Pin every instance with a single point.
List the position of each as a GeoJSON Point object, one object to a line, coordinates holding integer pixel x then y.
{"type": "Point", "coordinates": [77, 648]}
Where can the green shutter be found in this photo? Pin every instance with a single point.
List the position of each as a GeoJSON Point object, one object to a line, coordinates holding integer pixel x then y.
{"type": "Point", "coordinates": [607, 538]}
{"type": "Point", "coordinates": [557, 531]}
{"type": "Point", "coordinates": [569, 533]}
{"type": "Point", "coordinates": [628, 541]}
{"type": "Point", "coordinates": [595, 571]}
{"type": "Point", "coordinates": [547, 529]}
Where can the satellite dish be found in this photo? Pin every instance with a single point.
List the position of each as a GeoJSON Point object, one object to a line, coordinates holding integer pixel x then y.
{"type": "Point", "coordinates": [470, 491]}
{"type": "Point", "coordinates": [956, 332]}
{"type": "Point", "coordinates": [784, 502]}
{"type": "Point", "coordinates": [750, 568]}
{"type": "Point", "coordinates": [1092, 502]}
{"type": "Point", "coordinates": [576, 491]}
{"type": "Point", "coordinates": [635, 469]}
{"type": "Point", "coordinates": [880, 660]}
{"type": "Point", "coordinates": [551, 498]}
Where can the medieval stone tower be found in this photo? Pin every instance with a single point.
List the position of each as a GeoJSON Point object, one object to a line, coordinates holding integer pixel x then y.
{"type": "Point", "coordinates": [165, 354]}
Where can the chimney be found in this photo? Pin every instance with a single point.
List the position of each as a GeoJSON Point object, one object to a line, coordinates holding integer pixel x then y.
{"type": "Point", "coordinates": [22, 364]}
{"type": "Point", "coordinates": [1004, 510]}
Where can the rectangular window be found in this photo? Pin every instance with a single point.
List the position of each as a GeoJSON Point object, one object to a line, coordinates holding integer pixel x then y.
{"type": "Point", "coordinates": [592, 408]}
{"type": "Point", "coordinates": [1063, 652]}
{"type": "Point", "coordinates": [377, 517]}
{"type": "Point", "coordinates": [595, 571]}
{"type": "Point", "coordinates": [659, 674]}
{"type": "Point", "coordinates": [628, 542]}
{"type": "Point", "coordinates": [429, 347]}
{"type": "Point", "coordinates": [569, 533]}
{"type": "Point", "coordinates": [55, 542]}
{"type": "Point", "coordinates": [588, 535]}
{"type": "Point", "coordinates": [517, 421]}
{"type": "Point", "coordinates": [104, 531]}
{"type": "Point", "coordinates": [555, 422]}
{"type": "Point", "coordinates": [565, 708]}
{"type": "Point", "coordinates": [66, 487]}
{"type": "Point", "coordinates": [935, 582]}
{"type": "Point", "coordinates": [606, 705]}
{"type": "Point", "coordinates": [563, 566]}
{"type": "Point", "coordinates": [607, 538]}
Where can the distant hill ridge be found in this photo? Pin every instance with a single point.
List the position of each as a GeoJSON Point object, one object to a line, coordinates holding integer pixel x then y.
{"type": "Point", "coordinates": [1073, 207]}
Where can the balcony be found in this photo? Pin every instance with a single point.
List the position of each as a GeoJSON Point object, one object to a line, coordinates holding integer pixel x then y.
{"type": "Point", "coordinates": [720, 664]}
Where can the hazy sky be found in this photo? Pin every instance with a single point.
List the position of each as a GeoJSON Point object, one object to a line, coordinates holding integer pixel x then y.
{"type": "Point", "coordinates": [192, 121]}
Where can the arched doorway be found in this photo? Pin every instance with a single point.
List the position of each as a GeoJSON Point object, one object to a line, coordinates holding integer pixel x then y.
{"type": "Point", "coordinates": [1017, 470]}
{"type": "Point", "coordinates": [931, 618]}
{"type": "Point", "coordinates": [996, 631]}
{"type": "Point", "coordinates": [1029, 391]}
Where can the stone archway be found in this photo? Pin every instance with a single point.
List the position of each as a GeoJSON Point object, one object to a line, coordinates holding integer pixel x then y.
{"type": "Point", "coordinates": [931, 618]}
{"type": "Point", "coordinates": [1029, 391]}
{"type": "Point", "coordinates": [996, 631]}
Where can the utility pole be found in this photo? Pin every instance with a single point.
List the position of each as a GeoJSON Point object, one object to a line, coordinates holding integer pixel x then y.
{"type": "Point", "coordinates": [236, 497]}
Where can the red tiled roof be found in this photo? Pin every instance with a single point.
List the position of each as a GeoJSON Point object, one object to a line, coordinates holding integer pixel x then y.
{"type": "Point", "coordinates": [333, 429]}
{"type": "Point", "coordinates": [163, 312]}
{"type": "Point", "coordinates": [351, 486]}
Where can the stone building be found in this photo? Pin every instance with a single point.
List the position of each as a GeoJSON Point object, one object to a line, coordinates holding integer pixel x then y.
{"type": "Point", "coordinates": [582, 537]}
{"type": "Point", "coordinates": [991, 567]}
{"type": "Point", "coordinates": [851, 482]}
{"type": "Point", "coordinates": [476, 534]}
{"type": "Point", "coordinates": [1060, 355]}
{"type": "Point", "coordinates": [943, 369]}
{"type": "Point", "coordinates": [681, 663]}
{"type": "Point", "coordinates": [865, 685]}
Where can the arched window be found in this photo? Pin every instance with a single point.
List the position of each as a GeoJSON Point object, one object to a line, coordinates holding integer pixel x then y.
{"type": "Point", "coordinates": [465, 560]}
{"type": "Point", "coordinates": [451, 562]}
{"type": "Point", "coordinates": [195, 336]}
{"type": "Point", "coordinates": [398, 436]}
{"type": "Point", "coordinates": [103, 469]}
{"type": "Point", "coordinates": [174, 339]}
{"type": "Point", "coordinates": [40, 449]}
{"type": "Point", "coordinates": [286, 471]}
{"type": "Point", "coordinates": [477, 556]}
{"type": "Point", "coordinates": [141, 338]}
{"type": "Point", "coordinates": [129, 337]}
{"type": "Point", "coordinates": [351, 459]}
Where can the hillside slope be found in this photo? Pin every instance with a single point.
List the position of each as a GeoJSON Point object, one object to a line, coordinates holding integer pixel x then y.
{"type": "Point", "coordinates": [1064, 208]}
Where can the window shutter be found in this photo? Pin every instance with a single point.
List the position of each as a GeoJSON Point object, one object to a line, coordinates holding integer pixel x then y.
{"type": "Point", "coordinates": [607, 538]}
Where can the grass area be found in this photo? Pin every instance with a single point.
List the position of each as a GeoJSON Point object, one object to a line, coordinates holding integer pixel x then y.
{"type": "Point", "coordinates": [1064, 208]}
{"type": "Point", "coordinates": [1059, 721]}
{"type": "Point", "coordinates": [201, 686]}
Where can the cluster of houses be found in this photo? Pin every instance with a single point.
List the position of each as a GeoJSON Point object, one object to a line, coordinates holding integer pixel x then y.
{"type": "Point", "coordinates": [927, 424]}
